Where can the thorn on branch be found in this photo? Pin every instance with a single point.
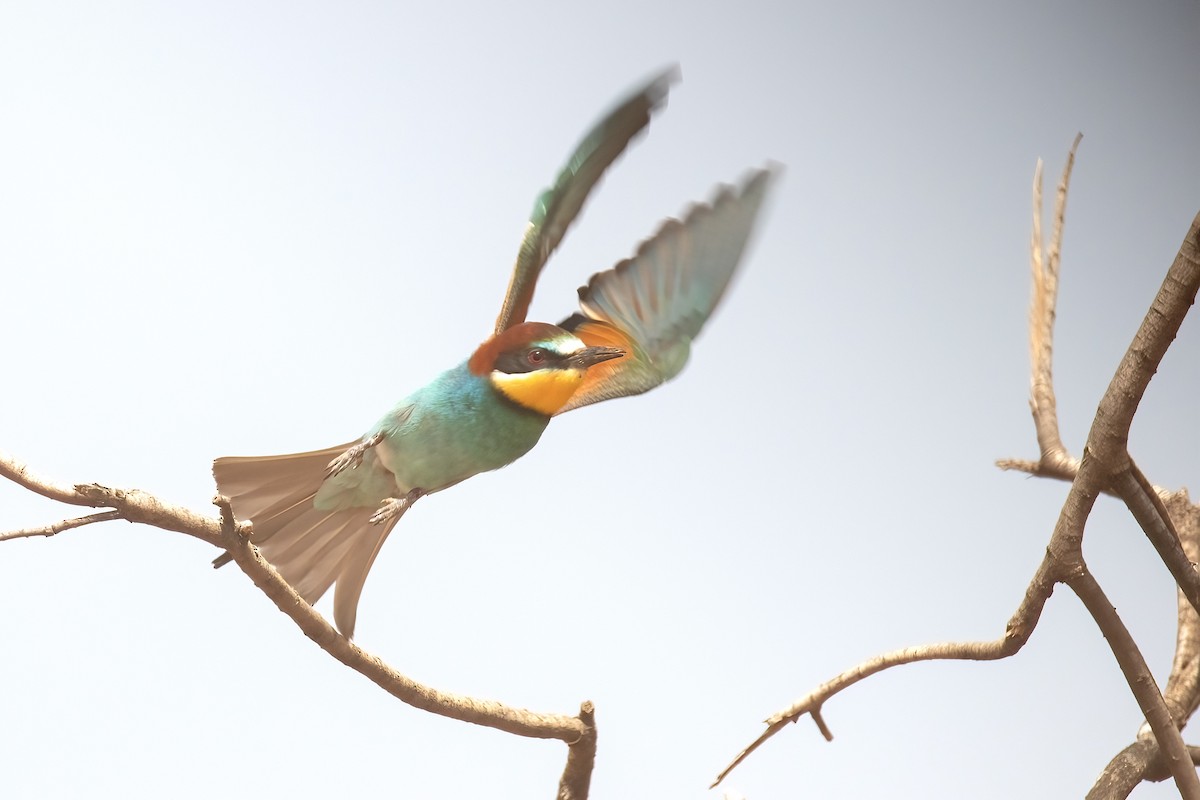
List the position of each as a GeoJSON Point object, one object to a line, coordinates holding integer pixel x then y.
{"type": "Point", "coordinates": [821, 726]}
{"type": "Point", "coordinates": [229, 526]}
{"type": "Point", "coordinates": [233, 533]}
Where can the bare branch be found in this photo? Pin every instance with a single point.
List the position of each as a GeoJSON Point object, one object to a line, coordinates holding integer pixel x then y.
{"type": "Point", "coordinates": [1105, 467]}
{"type": "Point", "coordinates": [1016, 634]}
{"type": "Point", "coordinates": [1143, 500]}
{"type": "Point", "coordinates": [1054, 459]}
{"type": "Point", "coordinates": [1120, 402]}
{"type": "Point", "coordinates": [1126, 770]}
{"type": "Point", "coordinates": [1141, 683]}
{"type": "Point", "coordinates": [1063, 468]}
{"type": "Point", "coordinates": [467, 709]}
{"type": "Point", "coordinates": [1045, 267]}
{"type": "Point", "coordinates": [581, 758]}
{"type": "Point", "coordinates": [1147, 508]}
{"type": "Point", "coordinates": [133, 505]}
{"type": "Point", "coordinates": [59, 527]}
{"type": "Point", "coordinates": [1183, 686]}
{"type": "Point", "coordinates": [1142, 760]}
{"type": "Point", "coordinates": [20, 474]}
{"type": "Point", "coordinates": [137, 506]}
{"type": "Point", "coordinates": [1114, 416]}
{"type": "Point", "coordinates": [1105, 459]}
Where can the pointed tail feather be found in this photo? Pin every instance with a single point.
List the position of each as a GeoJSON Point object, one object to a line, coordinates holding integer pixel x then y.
{"type": "Point", "coordinates": [311, 548]}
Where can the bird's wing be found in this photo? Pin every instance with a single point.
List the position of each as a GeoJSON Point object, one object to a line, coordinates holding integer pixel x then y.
{"type": "Point", "coordinates": [558, 205]}
{"type": "Point", "coordinates": [654, 304]}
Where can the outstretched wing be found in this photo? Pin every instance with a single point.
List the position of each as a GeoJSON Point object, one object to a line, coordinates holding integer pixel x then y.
{"type": "Point", "coordinates": [558, 206]}
{"type": "Point", "coordinates": [654, 304]}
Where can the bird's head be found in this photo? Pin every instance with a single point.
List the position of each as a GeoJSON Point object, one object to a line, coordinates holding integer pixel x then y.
{"type": "Point", "coordinates": [537, 365]}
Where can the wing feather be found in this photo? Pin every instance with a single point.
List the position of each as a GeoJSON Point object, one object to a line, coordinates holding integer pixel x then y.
{"type": "Point", "coordinates": [654, 304]}
{"type": "Point", "coordinates": [557, 207]}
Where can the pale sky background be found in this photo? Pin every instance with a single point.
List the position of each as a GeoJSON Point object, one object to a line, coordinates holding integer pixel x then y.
{"type": "Point", "coordinates": [242, 229]}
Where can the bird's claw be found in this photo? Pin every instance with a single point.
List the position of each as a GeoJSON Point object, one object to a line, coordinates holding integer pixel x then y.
{"type": "Point", "coordinates": [352, 458]}
{"type": "Point", "coordinates": [394, 507]}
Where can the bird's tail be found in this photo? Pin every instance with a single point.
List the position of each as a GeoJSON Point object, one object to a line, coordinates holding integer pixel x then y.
{"type": "Point", "coordinates": [311, 548]}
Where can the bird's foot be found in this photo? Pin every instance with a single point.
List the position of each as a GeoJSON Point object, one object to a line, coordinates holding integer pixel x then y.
{"type": "Point", "coordinates": [394, 507]}
{"type": "Point", "coordinates": [353, 457]}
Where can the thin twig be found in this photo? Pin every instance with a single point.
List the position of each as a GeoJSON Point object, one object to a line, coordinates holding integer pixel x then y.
{"type": "Point", "coordinates": [1063, 468]}
{"type": "Point", "coordinates": [1045, 267]}
{"type": "Point", "coordinates": [59, 527]}
{"type": "Point", "coordinates": [20, 474]}
{"type": "Point", "coordinates": [132, 504]}
{"type": "Point", "coordinates": [1020, 627]}
{"type": "Point", "coordinates": [138, 506]}
{"type": "Point", "coordinates": [488, 713]}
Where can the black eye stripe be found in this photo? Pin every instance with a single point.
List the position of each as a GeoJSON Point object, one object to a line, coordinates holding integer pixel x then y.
{"type": "Point", "coordinates": [518, 361]}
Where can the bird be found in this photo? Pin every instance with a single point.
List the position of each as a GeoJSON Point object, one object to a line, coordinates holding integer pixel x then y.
{"type": "Point", "coordinates": [321, 517]}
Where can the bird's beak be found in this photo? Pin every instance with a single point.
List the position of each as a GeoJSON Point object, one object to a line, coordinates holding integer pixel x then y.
{"type": "Point", "coordinates": [590, 356]}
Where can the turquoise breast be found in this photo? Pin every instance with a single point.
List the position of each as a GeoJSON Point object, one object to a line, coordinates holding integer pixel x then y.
{"type": "Point", "coordinates": [459, 426]}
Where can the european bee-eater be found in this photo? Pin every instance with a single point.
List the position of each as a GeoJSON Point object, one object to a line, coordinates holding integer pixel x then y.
{"type": "Point", "coordinates": [321, 517]}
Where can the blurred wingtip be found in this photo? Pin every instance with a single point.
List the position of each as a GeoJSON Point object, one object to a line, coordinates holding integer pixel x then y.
{"type": "Point", "coordinates": [769, 172]}
{"type": "Point", "coordinates": [671, 74]}
{"type": "Point", "coordinates": [774, 167]}
{"type": "Point", "coordinates": [757, 182]}
{"type": "Point", "coordinates": [657, 88]}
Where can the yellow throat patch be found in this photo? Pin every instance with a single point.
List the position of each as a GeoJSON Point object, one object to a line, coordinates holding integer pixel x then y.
{"type": "Point", "coordinates": [544, 391]}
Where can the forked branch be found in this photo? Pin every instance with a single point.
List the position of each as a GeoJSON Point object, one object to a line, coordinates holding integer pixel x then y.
{"type": "Point", "coordinates": [1016, 634]}
{"type": "Point", "coordinates": [1143, 759]}
{"type": "Point", "coordinates": [1044, 263]}
{"type": "Point", "coordinates": [1105, 467]}
{"type": "Point", "coordinates": [135, 506]}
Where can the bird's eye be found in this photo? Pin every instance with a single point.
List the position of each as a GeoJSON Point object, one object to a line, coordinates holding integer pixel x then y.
{"type": "Point", "coordinates": [536, 356]}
